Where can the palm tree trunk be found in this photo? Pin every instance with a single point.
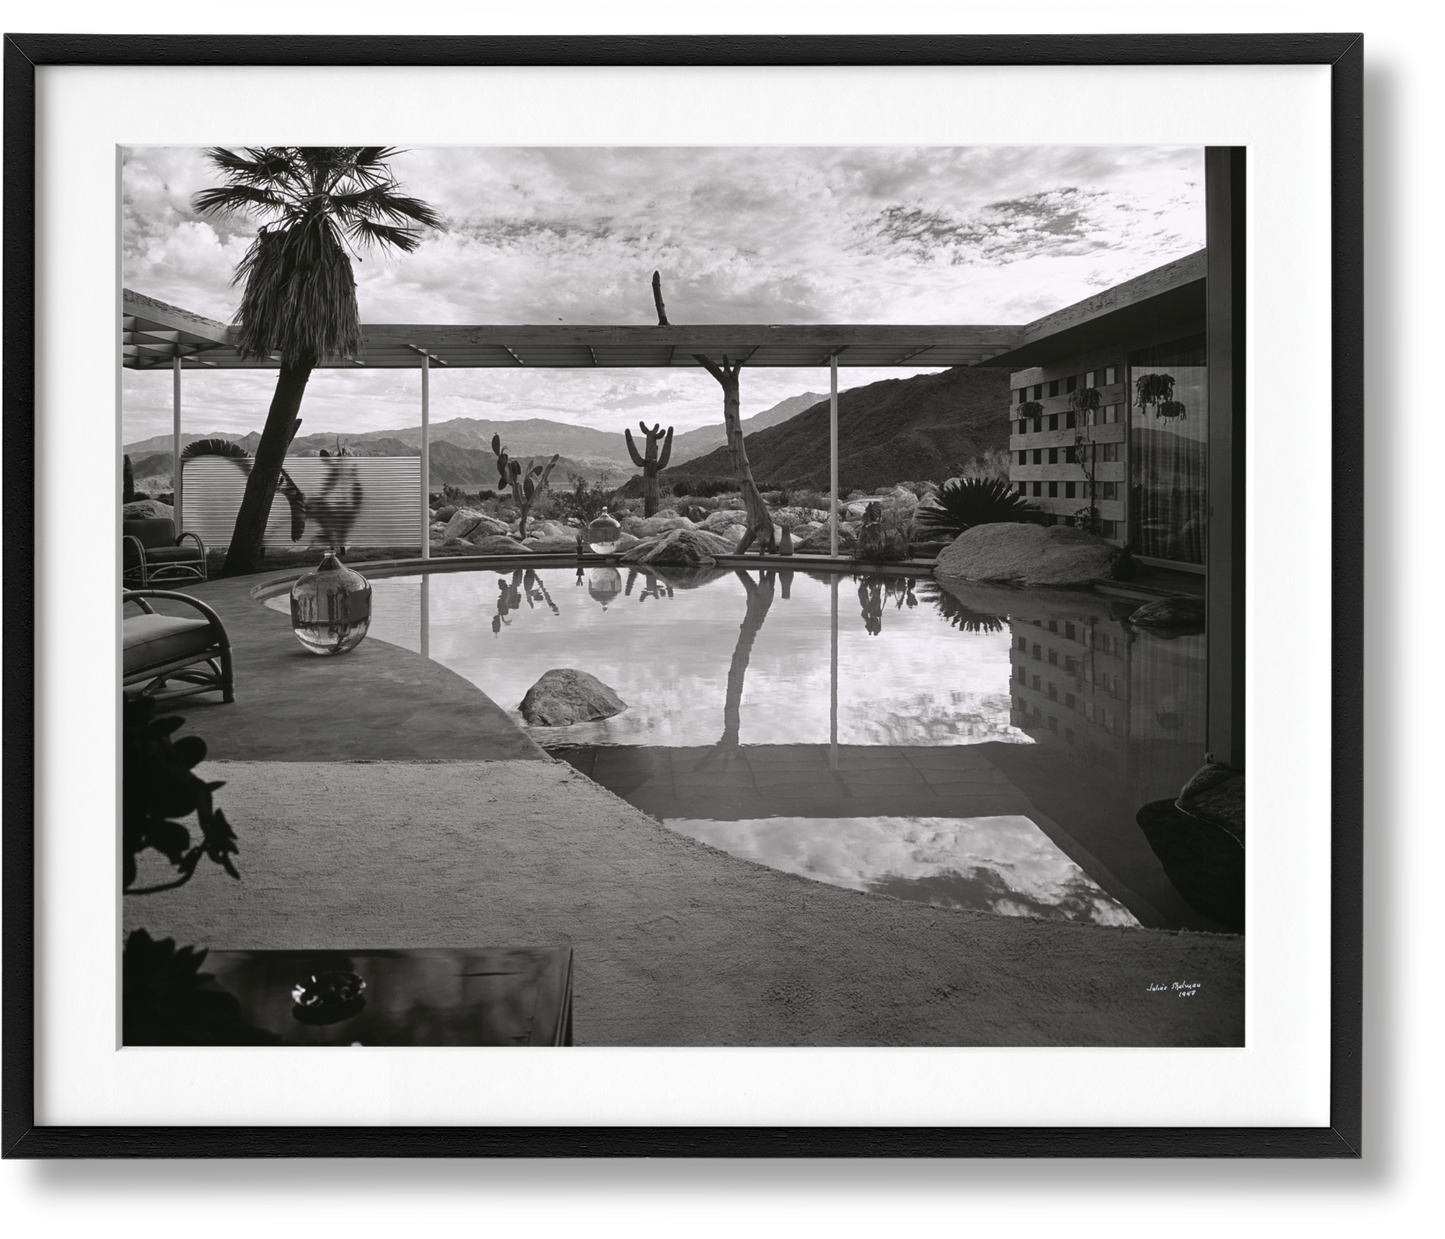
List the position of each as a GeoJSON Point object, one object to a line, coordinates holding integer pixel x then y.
{"type": "Point", "coordinates": [760, 521]}
{"type": "Point", "coordinates": [246, 540]}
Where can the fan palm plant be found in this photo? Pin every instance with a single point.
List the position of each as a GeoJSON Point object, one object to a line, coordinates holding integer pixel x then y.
{"type": "Point", "coordinates": [298, 302]}
{"type": "Point", "coordinates": [962, 503]}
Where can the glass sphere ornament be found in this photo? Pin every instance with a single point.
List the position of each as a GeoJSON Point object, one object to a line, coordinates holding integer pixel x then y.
{"type": "Point", "coordinates": [331, 607]}
{"type": "Point", "coordinates": [603, 534]}
{"type": "Point", "coordinates": [604, 584]}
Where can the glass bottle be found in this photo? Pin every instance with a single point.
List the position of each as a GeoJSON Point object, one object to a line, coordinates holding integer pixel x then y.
{"type": "Point", "coordinates": [331, 607]}
{"type": "Point", "coordinates": [603, 534]}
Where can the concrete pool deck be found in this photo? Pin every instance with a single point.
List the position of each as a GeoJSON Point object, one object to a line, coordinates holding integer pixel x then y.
{"type": "Point", "coordinates": [380, 801]}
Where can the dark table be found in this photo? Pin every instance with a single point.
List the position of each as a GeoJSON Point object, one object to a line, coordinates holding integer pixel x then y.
{"type": "Point", "coordinates": [419, 997]}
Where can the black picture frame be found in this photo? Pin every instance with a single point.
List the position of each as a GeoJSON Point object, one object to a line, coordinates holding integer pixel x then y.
{"type": "Point", "coordinates": [330, 1173]}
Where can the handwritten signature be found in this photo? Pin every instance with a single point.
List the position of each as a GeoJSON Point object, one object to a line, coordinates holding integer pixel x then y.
{"type": "Point", "coordinates": [1180, 989]}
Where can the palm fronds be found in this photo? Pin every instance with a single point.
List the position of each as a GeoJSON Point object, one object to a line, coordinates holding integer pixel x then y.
{"type": "Point", "coordinates": [962, 503]}
{"type": "Point", "coordinates": [299, 298]}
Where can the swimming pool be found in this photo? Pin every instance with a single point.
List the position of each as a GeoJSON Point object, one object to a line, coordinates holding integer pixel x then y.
{"type": "Point", "coordinates": [979, 749]}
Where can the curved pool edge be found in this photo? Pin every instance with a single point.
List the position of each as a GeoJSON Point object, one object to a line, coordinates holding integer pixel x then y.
{"type": "Point", "coordinates": [380, 702]}
{"type": "Point", "coordinates": [273, 584]}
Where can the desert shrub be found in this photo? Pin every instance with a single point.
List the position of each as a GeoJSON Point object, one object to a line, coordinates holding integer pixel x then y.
{"type": "Point", "coordinates": [584, 502]}
{"type": "Point", "coordinates": [544, 507]}
{"type": "Point", "coordinates": [681, 490]}
{"type": "Point", "coordinates": [963, 503]}
{"type": "Point", "coordinates": [895, 521]}
{"type": "Point", "coordinates": [777, 498]}
{"type": "Point", "coordinates": [993, 463]}
{"type": "Point", "coordinates": [810, 499]}
{"type": "Point", "coordinates": [710, 488]}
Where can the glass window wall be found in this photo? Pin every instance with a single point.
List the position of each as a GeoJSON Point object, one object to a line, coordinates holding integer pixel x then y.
{"type": "Point", "coordinates": [1169, 457]}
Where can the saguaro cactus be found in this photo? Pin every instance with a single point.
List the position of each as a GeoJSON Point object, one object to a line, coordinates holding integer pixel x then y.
{"type": "Point", "coordinates": [527, 481]}
{"type": "Point", "coordinates": [651, 464]}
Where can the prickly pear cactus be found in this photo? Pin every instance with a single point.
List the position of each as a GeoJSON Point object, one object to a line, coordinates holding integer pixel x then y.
{"type": "Point", "coordinates": [526, 482]}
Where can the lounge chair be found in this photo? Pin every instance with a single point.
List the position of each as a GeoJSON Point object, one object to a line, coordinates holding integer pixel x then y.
{"type": "Point", "coordinates": [193, 651]}
{"type": "Point", "coordinates": [152, 552]}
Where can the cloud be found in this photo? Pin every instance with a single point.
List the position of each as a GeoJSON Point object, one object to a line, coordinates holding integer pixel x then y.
{"type": "Point", "coordinates": [740, 235]}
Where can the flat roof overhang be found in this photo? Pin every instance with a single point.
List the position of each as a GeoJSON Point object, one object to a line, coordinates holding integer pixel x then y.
{"type": "Point", "coordinates": [1158, 304]}
{"type": "Point", "coordinates": [153, 334]}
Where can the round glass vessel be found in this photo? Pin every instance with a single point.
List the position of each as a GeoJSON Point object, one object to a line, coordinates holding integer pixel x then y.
{"type": "Point", "coordinates": [603, 534]}
{"type": "Point", "coordinates": [331, 607]}
{"type": "Point", "coordinates": [604, 584]}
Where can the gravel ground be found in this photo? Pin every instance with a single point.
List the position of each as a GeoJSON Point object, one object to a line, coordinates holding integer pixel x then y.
{"type": "Point", "coordinates": [675, 942]}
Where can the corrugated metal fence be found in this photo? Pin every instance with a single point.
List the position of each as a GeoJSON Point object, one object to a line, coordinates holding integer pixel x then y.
{"type": "Point", "coordinates": [322, 501]}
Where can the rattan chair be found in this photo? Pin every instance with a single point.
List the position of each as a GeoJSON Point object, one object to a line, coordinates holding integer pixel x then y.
{"type": "Point", "coordinates": [152, 552]}
{"type": "Point", "coordinates": [160, 651]}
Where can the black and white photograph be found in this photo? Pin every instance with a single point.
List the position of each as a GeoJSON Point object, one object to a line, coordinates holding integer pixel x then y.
{"type": "Point", "coordinates": [682, 596]}
{"type": "Point", "coordinates": [761, 567]}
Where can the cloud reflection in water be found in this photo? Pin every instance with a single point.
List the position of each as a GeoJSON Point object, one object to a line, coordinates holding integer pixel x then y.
{"type": "Point", "coordinates": [1004, 865]}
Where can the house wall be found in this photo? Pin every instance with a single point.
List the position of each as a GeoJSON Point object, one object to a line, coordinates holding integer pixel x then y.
{"type": "Point", "coordinates": [1046, 481]}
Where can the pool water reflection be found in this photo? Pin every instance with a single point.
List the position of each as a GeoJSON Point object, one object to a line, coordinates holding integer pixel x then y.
{"type": "Point", "coordinates": [969, 746]}
{"type": "Point", "coordinates": [1004, 865]}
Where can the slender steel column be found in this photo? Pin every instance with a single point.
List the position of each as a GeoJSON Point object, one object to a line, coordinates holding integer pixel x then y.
{"type": "Point", "coordinates": [176, 443]}
{"type": "Point", "coordinates": [833, 475]}
{"type": "Point", "coordinates": [833, 681]}
{"type": "Point", "coordinates": [425, 461]}
{"type": "Point", "coordinates": [426, 614]}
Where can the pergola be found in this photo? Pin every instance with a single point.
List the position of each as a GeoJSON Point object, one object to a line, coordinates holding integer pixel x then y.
{"type": "Point", "coordinates": [158, 336]}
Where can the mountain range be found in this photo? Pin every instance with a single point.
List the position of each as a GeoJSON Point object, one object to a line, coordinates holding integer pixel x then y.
{"type": "Point", "coordinates": [461, 449]}
{"type": "Point", "coordinates": [914, 429]}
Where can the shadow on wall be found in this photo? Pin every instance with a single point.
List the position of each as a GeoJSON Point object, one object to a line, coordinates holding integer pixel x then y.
{"type": "Point", "coordinates": [326, 518]}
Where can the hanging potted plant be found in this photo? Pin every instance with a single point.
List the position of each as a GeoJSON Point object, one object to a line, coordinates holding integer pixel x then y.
{"type": "Point", "coordinates": [1085, 402]}
{"type": "Point", "coordinates": [1157, 390]}
{"type": "Point", "coordinates": [1031, 409]}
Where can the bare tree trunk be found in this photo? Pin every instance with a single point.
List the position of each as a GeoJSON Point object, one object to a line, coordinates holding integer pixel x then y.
{"type": "Point", "coordinates": [760, 520]}
{"type": "Point", "coordinates": [250, 531]}
{"type": "Point", "coordinates": [760, 599]}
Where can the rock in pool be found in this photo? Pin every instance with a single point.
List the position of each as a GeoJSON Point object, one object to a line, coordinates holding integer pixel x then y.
{"type": "Point", "coordinates": [564, 696]}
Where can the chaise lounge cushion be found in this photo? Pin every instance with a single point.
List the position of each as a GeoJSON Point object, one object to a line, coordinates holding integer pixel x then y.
{"type": "Point", "coordinates": [165, 555]}
{"type": "Point", "coordinates": [154, 640]}
{"type": "Point", "coordinates": [151, 531]}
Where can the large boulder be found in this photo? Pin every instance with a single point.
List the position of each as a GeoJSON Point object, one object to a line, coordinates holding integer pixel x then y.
{"type": "Point", "coordinates": [1200, 842]}
{"type": "Point", "coordinates": [818, 542]}
{"type": "Point", "coordinates": [564, 696]}
{"type": "Point", "coordinates": [724, 517]}
{"type": "Point", "coordinates": [1215, 794]}
{"type": "Point", "coordinates": [499, 544]}
{"type": "Point", "coordinates": [1179, 611]}
{"type": "Point", "coordinates": [146, 510]}
{"type": "Point", "coordinates": [1028, 555]}
{"type": "Point", "coordinates": [900, 497]}
{"type": "Point", "coordinates": [471, 524]}
{"type": "Point", "coordinates": [678, 548]}
{"type": "Point", "coordinates": [550, 530]}
{"type": "Point", "coordinates": [551, 546]}
{"type": "Point", "coordinates": [795, 516]}
{"type": "Point", "coordinates": [651, 526]}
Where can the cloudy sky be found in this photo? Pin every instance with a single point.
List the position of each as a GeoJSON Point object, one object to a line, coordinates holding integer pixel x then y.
{"type": "Point", "coordinates": [741, 235]}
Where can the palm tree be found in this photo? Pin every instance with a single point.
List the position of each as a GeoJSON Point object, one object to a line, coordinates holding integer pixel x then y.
{"type": "Point", "coordinates": [299, 299]}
